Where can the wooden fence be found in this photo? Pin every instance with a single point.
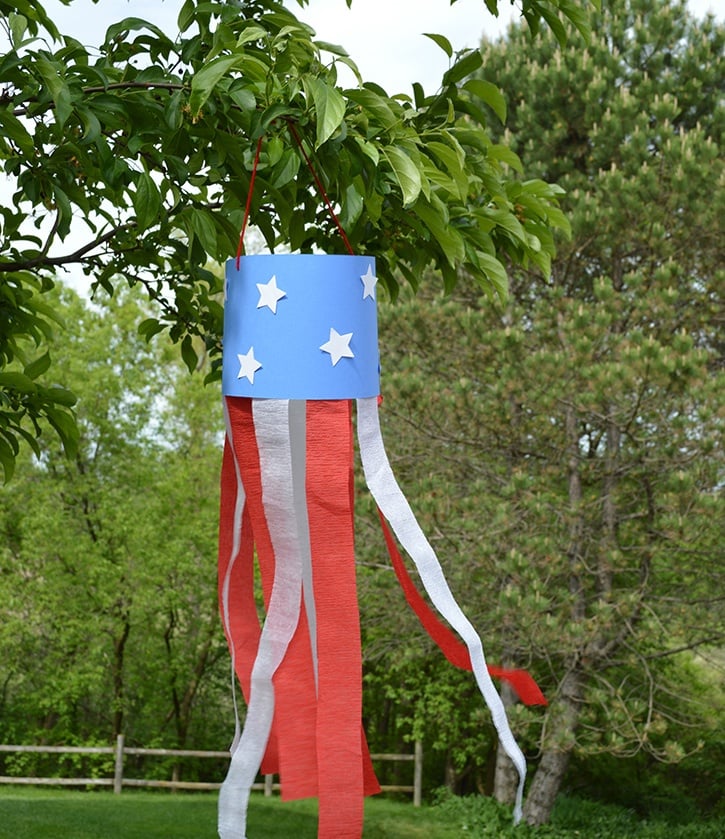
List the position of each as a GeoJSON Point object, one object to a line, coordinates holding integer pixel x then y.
{"type": "Point", "coordinates": [120, 750]}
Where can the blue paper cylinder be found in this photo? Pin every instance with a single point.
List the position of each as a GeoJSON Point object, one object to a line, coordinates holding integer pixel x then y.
{"type": "Point", "coordinates": [301, 326]}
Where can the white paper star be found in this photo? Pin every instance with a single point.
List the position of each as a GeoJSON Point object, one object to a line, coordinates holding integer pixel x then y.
{"type": "Point", "coordinates": [248, 366]}
{"type": "Point", "coordinates": [270, 295]}
{"type": "Point", "coordinates": [338, 346]}
{"type": "Point", "coordinates": [369, 282]}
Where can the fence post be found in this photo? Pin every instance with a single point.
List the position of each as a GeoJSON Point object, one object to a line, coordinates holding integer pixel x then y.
{"type": "Point", "coordinates": [418, 774]}
{"type": "Point", "coordinates": [118, 768]}
{"type": "Point", "coordinates": [268, 785]}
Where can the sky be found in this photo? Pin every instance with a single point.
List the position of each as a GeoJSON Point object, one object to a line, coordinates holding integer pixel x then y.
{"type": "Point", "coordinates": [384, 37]}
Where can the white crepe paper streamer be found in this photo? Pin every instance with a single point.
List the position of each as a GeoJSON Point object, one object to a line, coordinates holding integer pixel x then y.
{"type": "Point", "coordinates": [271, 420]}
{"type": "Point", "coordinates": [298, 436]}
{"type": "Point", "coordinates": [236, 544]}
{"type": "Point", "coordinates": [394, 506]}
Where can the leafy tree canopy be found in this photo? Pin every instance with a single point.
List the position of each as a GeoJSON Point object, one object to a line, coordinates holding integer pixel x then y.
{"type": "Point", "coordinates": [109, 620]}
{"type": "Point", "coordinates": [143, 145]}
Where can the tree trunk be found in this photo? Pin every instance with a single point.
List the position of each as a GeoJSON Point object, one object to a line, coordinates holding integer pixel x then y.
{"type": "Point", "coordinates": [119, 650]}
{"type": "Point", "coordinates": [546, 786]}
{"type": "Point", "coordinates": [562, 724]}
{"type": "Point", "coordinates": [562, 718]}
{"type": "Point", "coordinates": [451, 776]}
{"type": "Point", "coordinates": [609, 505]}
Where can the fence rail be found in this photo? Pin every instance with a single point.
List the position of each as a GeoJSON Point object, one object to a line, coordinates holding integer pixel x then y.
{"type": "Point", "coordinates": [120, 750]}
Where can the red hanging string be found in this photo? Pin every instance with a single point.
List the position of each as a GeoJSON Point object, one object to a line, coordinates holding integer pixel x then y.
{"type": "Point", "coordinates": [318, 182]}
{"type": "Point", "coordinates": [320, 187]}
{"type": "Point", "coordinates": [240, 247]}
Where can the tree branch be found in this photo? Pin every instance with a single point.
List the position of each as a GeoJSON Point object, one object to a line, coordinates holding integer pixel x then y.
{"type": "Point", "coordinates": [45, 261]}
{"type": "Point", "coordinates": [21, 112]}
{"type": "Point", "coordinates": [714, 639]}
{"type": "Point", "coordinates": [136, 85]}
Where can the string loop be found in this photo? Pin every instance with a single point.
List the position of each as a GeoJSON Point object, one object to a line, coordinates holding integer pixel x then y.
{"type": "Point", "coordinates": [318, 183]}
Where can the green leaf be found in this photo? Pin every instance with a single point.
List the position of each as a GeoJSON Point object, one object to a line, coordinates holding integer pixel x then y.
{"type": "Point", "coordinates": [60, 396]}
{"type": "Point", "coordinates": [146, 201]}
{"type": "Point", "coordinates": [251, 33]}
{"type": "Point", "coordinates": [286, 170]}
{"type": "Point", "coordinates": [348, 62]}
{"type": "Point", "coordinates": [188, 353]}
{"type": "Point", "coordinates": [329, 106]}
{"type": "Point", "coordinates": [453, 163]}
{"type": "Point", "coordinates": [132, 24]}
{"type": "Point", "coordinates": [406, 173]}
{"type": "Point", "coordinates": [253, 68]}
{"type": "Point", "coordinates": [495, 273]}
{"type": "Point", "coordinates": [91, 124]}
{"type": "Point", "coordinates": [29, 439]}
{"type": "Point", "coordinates": [13, 129]}
{"type": "Point", "coordinates": [442, 42]}
{"type": "Point", "coordinates": [557, 218]}
{"type": "Point", "coordinates": [206, 79]}
{"type": "Point", "coordinates": [506, 155]}
{"type": "Point", "coordinates": [186, 15]}
{"type": "Point", "coordinates": [243, 97]}
{"type": "Point", "coordinates": [38, 367]}
{"type": "Point", "coordinates": [150, 327]}
{"type": "Point", "coordinates": [65, 210]}
{"type": "Point", "coordinates": [51, 74]}
{"type": "Point", "coordinates": [202, 224]}
{"type": "Point", "coordinates": [469, 63]}
{"type": "Point", "coordinates": [436, 220]}
{"type": "Point", "coordinates": [269, 115]}
{"type": "Point", "coordinates": [296, 231]}
{"type": "Point", "coordinates": [375, 105]}
{"type": "Point", "coordinates": [352, 206]}
{"type": "Point", "coordinates": [418, 95]}
{"type": "Point", "coordinates": [17, 381]}
{"type": "Point", "coordinates": [578, 16]}
{"type": "Point", "coordinates": [7, 460]}
{"type": "Point", "coordinates": [556, 26]}
{"type": "Point", "coordinates": [66, 427]}
{"type": "Point", "coordinates": [488, 93]}
{"type": "Point", "coordinates": [18, 27]}
{"type": "Point", "coordinates": [335, 49]}
{"type": "Point", "coordinates": [368, 149]}
{"type": "Point", "coordinates": [504, 219]}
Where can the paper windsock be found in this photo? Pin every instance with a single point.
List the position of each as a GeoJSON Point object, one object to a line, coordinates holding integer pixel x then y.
{"type": "Point", "coordinates": [300, 351]}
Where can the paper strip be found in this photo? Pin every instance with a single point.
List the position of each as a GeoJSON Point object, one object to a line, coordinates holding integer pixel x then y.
{"type": "Point", "coordinates": [394, 506]}
{"type": "Point", "coordinates": [271, 420]}
{"type": "Point", "coordinates": [339, 712]}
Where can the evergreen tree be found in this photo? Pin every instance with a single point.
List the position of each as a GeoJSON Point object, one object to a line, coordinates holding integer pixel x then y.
{"type": "Point", "coordinates": [569, 446]}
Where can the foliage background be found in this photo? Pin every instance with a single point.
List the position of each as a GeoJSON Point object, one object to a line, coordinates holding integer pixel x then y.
{"type": "Point", "coordinates": [563, 446]}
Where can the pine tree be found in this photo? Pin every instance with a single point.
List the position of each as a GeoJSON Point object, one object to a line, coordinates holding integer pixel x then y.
{"type": "Point", "coordinates": [577, 433]}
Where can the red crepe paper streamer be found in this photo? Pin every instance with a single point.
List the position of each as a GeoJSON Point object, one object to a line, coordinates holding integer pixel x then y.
{"type": "Point", "coordinates": [452, 648]}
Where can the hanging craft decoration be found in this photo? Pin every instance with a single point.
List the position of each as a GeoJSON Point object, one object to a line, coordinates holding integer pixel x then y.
{"type": "Point", "coordinates": [300, 348]}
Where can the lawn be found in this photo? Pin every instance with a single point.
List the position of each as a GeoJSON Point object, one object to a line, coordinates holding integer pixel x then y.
{"type": "Point", "coordinates": [37, 813]}
{"type": "Point", "coordinates": [32, 813]}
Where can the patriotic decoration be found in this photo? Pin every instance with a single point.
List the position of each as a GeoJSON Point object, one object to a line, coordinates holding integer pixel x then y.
{"type": "Point", "coordinates": [300, 351]}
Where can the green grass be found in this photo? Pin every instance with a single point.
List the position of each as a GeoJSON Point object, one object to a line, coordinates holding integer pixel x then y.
{"type": "Point", "coordinates": [33, 813]}
{"type": "Point", "coordinates": [37, 813]}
